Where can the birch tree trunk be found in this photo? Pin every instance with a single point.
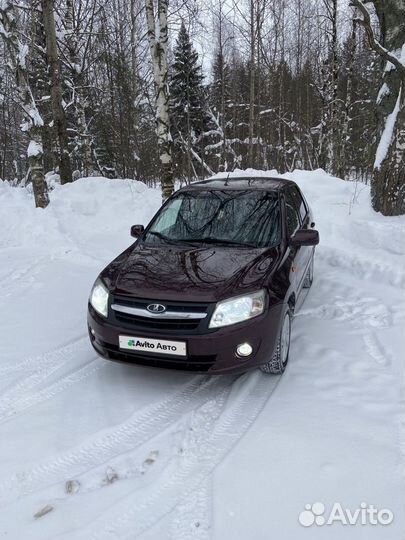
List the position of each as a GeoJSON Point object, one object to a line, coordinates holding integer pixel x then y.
{"type": "Point", "coordinates": [343, 165]}
{"type": "Point", "coordinates": [59, 117]}
{"type": "Point", "coordinates": [252, 74]}
{"type": "Point", "coordinates": [33, 121]}
{"type": "Point", "coordinates": [39, 82]}
{"type": "Point", "coordinates": [221, 66]}
{"type": "Point", "coordinates": [87, 165]}
{"type": "Point", "coordinates": [158, 45]}
{"type": "Point", "coordinates": [388, 183]}
{"type": "Point", "coordinates": [333, 134]}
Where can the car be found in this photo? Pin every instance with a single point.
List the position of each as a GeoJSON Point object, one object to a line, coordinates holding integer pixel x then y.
{"type": "Point", "coordinates": [211, 284]}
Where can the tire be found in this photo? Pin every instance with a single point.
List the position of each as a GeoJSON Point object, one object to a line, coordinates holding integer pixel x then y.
{"type": "Point", "coordinates": [279, 361]}
{"type": "Point", "coordinates": [309, 278]}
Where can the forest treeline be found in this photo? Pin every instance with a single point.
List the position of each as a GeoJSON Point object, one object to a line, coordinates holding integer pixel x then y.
{"type": "Point", "coordinates": [162, 90]}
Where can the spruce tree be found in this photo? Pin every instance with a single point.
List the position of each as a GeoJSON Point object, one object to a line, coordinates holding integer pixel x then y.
{"type": "Point", "coordinates": [221, 85]}
{"type": "Point", "coordinates": [188, 104]}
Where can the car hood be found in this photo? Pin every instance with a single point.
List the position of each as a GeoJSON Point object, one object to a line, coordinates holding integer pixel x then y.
{"type": "Point", "coordinates": [196, 274]}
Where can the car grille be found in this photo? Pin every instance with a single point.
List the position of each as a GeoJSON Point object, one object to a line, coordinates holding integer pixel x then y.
{"type": "Point", "coordinates": [168, 325]}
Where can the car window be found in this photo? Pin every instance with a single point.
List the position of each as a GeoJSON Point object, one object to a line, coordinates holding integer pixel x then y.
{"type": "Point", "coordinates": [298, 202]}
{"type": "Point", "coordinates": [293, 219]}
{"type": "Point", "coordinates": [249, 217]}
{"type": "Point", "coordinates": [168, 216]}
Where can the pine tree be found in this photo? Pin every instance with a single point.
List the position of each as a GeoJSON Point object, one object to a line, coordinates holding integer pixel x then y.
{"type": "Point", "coordinates": [188, 104]}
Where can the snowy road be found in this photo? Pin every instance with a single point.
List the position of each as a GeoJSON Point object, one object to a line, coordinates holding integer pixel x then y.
{"type": "Point", "coordinates": [92, 449]}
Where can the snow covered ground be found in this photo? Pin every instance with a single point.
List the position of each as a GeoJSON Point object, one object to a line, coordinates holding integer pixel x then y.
{"type": "Point", "coordinates": [93, 449]}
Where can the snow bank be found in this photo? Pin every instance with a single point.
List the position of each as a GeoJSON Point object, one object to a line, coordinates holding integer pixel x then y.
{"type": "Point", "coordinates": [94, 214]}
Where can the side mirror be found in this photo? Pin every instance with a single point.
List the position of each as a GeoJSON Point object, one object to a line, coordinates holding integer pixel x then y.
{"type": "Point", "coordinates": [137, 230]}
{"type": "Point", "coordinates": [305, 237]}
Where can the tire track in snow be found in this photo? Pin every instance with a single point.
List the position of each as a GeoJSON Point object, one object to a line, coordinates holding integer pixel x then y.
{"type": "Point", "coordinates": [342, 303]}
{"type": "Point", "coordinates": [34, 362]}
{"type": "Point", "coordinates": [192, 517]}
{"type": "Point", "coordinates": [364, 312]}
{"type": "Point", "coordinates": [361, 311]}
{"type": "Point", "coordinates": [14, 408]}
{"type": "Point", "coordinates": [134, 432]}
{"type": "Point", "coordinates": [361, 267]}
{"type": "Point", "coordinates": [134, 463]}
{"type": "Point", "coordinates": [17, 273]}
{"type": "Point", "coordinates": [215, 430]}
{"type": "Point", "coordinates": [47, 365]}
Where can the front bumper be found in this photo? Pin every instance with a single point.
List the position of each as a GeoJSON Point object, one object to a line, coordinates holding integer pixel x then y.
{"type": "Point", "coordinates": [213, 353]}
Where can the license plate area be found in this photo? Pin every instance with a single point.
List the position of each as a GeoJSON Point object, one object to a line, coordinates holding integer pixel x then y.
{"type": "Point", "coordinates": [153, 346]}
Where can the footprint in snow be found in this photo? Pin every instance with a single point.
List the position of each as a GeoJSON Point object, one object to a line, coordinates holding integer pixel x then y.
{"type": "Point", "coordinates": [111, 476]}
{"type": "Point", "coordinates": [152, 458]}
{"type": "Point", "coordinates": [45, 510]}
{"type": "Point", "coordinates": [149, 461]}
{"type": "Point", "coordinates": [72, 487]}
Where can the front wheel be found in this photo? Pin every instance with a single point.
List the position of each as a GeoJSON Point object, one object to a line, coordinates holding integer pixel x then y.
{"type": "Point", "coordinates": [278, 363]}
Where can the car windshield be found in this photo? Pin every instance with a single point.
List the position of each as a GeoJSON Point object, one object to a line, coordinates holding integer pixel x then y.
{"type": "Point", "coordinates": [230, 218]}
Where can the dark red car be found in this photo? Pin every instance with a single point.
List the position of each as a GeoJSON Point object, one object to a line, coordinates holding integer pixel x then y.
{"type": "Point", "coordinates": [212, 282]}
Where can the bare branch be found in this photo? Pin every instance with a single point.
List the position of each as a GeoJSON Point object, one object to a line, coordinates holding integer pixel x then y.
{"type": "Point", "coordinates": [374, 44]}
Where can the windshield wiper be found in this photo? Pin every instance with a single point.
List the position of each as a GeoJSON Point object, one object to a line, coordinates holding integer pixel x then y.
{"type": "Point", "coordinates": [193, 241]}
{"type": "Point", "coordinates": [219, 241]}
{"type": "Point", "coordinates": [169, 240]}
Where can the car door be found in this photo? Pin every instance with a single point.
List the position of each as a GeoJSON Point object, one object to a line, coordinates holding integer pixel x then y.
{"type": "Point", "coordinates": [299, 255]}
{"type": "Point", "coordinates": [306, 223]}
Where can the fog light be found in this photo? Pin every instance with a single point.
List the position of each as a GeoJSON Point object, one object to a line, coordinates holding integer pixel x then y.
{"type": "Point", "coordinates": [244, 349]}
{"type": "Point", "coordinates": [92, 332]}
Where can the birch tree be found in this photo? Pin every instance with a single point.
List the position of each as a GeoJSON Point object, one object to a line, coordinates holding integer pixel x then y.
{"type": "Point", "coordinates": [252, 76]}
{"type": "Point", "coordinates": [75, 61]}
{"type": "Point", "coordinates": [59, 116]}
{"type": "Point", "coordinates": [329, 88]}
{"type": "Point", "coordinates": [33, 122]}
{"type": "Point", "coordinates": [220, 91]}
{"type": "Point", "coordinates": [388, 184]}
{"type": "Point", "coordinates": [157, 25]}
{"type": "Point", "coordinates": [346, 120]}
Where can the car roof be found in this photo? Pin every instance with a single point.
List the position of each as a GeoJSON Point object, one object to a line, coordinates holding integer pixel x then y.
{"type": "Point", "coordinates": [240, 183]}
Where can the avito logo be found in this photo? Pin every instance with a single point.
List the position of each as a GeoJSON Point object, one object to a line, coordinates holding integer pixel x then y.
{"type": "Point", "coordinates": [142, 344]}
{"type": "Point", "coordinates": [366, 514]}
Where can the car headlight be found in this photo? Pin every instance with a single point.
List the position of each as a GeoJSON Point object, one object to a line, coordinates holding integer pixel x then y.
{"type": "Point", "coordinates": [99, 298]}
{"type": "Point", "coordinates": [238, 309]}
